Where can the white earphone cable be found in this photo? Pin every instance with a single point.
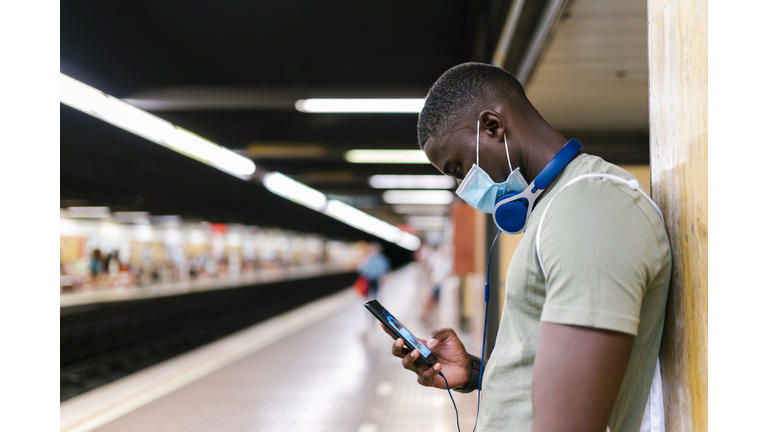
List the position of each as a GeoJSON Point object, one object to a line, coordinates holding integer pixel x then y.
{"type": "Point", "coordinates": [506, 147]}
{"type": "Point", "coordinates": [477, 148]}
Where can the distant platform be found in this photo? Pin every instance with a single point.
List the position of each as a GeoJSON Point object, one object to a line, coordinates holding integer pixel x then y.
{"type": "Point", "coordinates": [210, 284]}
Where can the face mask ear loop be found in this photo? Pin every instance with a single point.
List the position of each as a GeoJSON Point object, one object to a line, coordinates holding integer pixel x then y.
{"type": "Point", "coordinates": [477, 148]}
{"type": "Point", "coordinates": [506, 147]}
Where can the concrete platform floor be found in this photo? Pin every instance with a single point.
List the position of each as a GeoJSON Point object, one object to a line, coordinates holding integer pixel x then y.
{"type": "Point", "coordinates": [334, 373]}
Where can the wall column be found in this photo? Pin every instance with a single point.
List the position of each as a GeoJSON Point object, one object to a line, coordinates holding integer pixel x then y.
{"type": "Point", "coordinates": [677, 60]}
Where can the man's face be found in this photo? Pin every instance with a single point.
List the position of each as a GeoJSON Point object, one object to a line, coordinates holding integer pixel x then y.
{"type": "Point", "coordinates": [455, 153]}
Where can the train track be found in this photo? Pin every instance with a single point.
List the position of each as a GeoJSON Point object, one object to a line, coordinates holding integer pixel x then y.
{"type": "Point", "coordinates": [103, 342]}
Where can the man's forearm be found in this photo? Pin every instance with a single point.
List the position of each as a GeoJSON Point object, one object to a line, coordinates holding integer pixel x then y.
{"type": "Point", "coordinates": [577, 375]}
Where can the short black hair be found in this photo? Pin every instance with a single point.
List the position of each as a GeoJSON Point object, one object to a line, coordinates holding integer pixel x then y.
{"type": "Point", "coordinates": [459, 93]}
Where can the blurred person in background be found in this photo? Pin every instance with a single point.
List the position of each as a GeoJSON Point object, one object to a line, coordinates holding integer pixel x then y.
{"type": "Point", "coordinates": [424, 276]}
{"type": "Point", "coordinates": [439, 267]}
{"type": "Point", "coordinates": [96, 268]}
{"type": "Point", "coordinates": [96, 265]}
{"type": "Point", "coordinates": [373, 267]}
{"type": "Point", "coordinates": [112, 263]}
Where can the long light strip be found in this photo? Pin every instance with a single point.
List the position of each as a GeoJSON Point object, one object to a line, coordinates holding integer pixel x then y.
{"type": "Point", "coordinates": [421, 209]}
{"type": "Point", "coordinates": [372, 225]}
{"type": "Point", "coordinates": [125, 116]}
{"type": "Point", "coordinates": [383, 181]}
{"type": "Point", "coordinates": [88, 212]}
{"type": "Point", "coordinates": [387, 156]}
{"type": "Point", "coordinates": [417, 197]}
{"type": "Point", "coordinates": [362, 220]}
{"type": "Point", "coordinates": [298, 192]}
{"type": "Point", "coordinates": [360, 105]}
{"type": "Point", "coordinates": [427, 222]}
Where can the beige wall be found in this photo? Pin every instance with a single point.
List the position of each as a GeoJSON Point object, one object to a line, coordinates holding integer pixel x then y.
{"type": "Point", "coordinates": [677, 59]}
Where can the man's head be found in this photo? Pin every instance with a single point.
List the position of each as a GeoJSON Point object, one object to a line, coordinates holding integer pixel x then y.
{"type": "Point", "coordinates": [462, 96]}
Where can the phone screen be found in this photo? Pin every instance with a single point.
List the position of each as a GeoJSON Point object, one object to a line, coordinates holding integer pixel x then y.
{"type": "Point", "coordinates": [407, 335]}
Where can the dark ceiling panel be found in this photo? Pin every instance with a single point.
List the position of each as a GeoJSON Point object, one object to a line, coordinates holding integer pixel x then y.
{"type": "Point", "coordinates": [137, 44]}
{"type": "Point", "coordinates": [236, 129]}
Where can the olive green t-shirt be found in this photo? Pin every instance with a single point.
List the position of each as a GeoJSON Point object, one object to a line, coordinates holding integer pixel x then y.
{"type": "Point", "coordinates": [607, 261]}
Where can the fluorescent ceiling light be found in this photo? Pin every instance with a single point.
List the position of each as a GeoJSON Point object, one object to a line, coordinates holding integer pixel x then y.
{"type": "Point", "coordinates": [88, 212]}
{"type": "Point", "coordinates": [80, 96]}
{"type": "Point", "coordinates": [199, 148]}
{"type": "Point", "coordinates": [134, 120]}
{"type": "Point", "coordinates": [427, 222]}
{"type": "Point", "coordinates": [365, 222]}
{"type": "Point", "coordinates": [418, 197]}
{"type": "Point", "coordinates": [420, 209]}
{"type": "Point", "coordinates": [387, 156]}
{"type": "Point", "coordinates": [297, 192]}
{"type": "Point", "coordinates": [167, 220]}
{"type": "Point", "coordinates": [408, 241]}
{"type": "Point", "coordinates": [411, 182]}
{"type": "Point", "coordinates": [131, 217]}
{"type": "Point", "coordinates": [361, 220]}
{"type": "Point", "coordinates": [360, 105]}
{"type": "Point", "coordinates": [125, 116]}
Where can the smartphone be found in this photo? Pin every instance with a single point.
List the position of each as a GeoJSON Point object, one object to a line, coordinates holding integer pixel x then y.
{"type": "Point", "coordinates": [395, 327]}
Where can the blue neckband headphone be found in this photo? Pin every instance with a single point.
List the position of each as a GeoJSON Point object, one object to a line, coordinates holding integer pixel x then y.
{"type": "Point", "coordinates": [512, 210]}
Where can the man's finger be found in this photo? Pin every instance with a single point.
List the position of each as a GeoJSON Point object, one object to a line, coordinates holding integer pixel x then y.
{"type": "Point", "coordinates": [397, 348]}
{"type": "Point", "coordinates": [426, 377]}
{"type": "Point", "coordinates": [410, 363]}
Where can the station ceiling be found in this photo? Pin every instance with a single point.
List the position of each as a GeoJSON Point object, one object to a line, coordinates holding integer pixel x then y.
{"type": "Point", "coordinates": [231, 72]}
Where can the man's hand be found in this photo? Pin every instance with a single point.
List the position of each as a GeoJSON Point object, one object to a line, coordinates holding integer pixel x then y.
{"type": "Point", "coordinates": [452, 359]}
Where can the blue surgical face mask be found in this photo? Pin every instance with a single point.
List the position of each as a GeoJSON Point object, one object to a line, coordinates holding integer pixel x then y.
{"type": "Point", "coordinates": [479, 190]}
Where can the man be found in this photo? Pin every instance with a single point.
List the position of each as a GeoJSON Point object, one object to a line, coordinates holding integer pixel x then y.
{"type": "Point", "coordinates": [581, 326]}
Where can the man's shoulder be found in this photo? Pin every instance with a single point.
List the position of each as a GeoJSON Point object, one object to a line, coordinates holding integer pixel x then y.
{"type": "Point", "coordinates": [585, 202]}
{"type": "Point", "coordinates": [579, 185]}
{"type": "Point", "coordinates": [591, 164]}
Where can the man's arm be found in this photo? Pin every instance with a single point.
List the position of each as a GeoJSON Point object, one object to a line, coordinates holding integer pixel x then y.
{"type": "Point", "coordinates": [577, 375]}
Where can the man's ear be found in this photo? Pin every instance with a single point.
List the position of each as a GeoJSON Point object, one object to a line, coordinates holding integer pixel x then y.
{"type": "Point", "coordinates": [492, 124]}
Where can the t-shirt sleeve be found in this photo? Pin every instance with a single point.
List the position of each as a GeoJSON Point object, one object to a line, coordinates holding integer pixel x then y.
{"type": "Point", "coordinates": [598, 249]}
